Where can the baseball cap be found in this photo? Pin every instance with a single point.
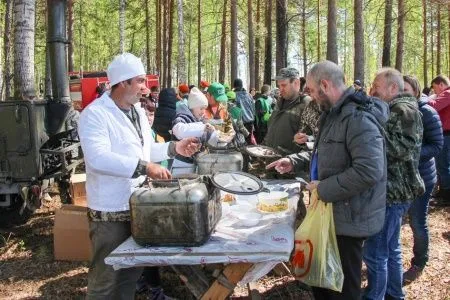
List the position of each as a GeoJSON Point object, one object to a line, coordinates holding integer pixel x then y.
{"type": "Point", "coordinates": [231, 95]}
{"type": "Point", "coordinates": [204, 84]}
{"type": "Point", "coordinates": [218, 92]}
{"type": "Point", "coordinates": [287, 73]}
{"type": "Point", "coordinates": [183, 88]}
{"type": "Point", "coordinates": [123, 67]}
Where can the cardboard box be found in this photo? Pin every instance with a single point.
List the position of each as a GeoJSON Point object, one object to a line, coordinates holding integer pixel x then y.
{"type": "Point", "coordinates": [71, 234]}
{"type": "Point", "coordinates": [78, 189]}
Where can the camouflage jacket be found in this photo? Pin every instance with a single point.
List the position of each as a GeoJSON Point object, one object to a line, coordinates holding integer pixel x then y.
{"type": "Point", "coordinates": [309, 121]}
{"type": "Point", "coordinates": [403, 144]}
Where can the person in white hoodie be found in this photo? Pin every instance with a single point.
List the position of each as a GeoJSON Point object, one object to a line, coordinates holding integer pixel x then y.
{"type": "Point", "coordinates": [189, 123]}
{"type": "Point", "coordinates": [118, 150]}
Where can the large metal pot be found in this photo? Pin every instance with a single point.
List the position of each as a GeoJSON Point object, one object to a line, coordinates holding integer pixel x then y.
{"type": "Point", "coordinates": [184, 212]}
{"type": "Point", "coordinates": [179, 212]}
{"type": "Point", "coordinates": [219, 160]}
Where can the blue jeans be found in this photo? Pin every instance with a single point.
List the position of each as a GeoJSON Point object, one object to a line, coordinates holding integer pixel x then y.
{"type": "Point", "coordinates": [443, 164]}
{"type": "Point", "coordinates": [418, 220]}
{"type": "Point", "coordinates": [382, 255]}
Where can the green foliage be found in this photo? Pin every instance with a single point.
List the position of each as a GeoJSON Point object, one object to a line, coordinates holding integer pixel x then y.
{"type": "Point", "coordinates": [96, 35]}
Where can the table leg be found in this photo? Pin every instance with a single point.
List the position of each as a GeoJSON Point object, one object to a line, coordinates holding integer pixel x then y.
{"type": "Point", "coordinates": [194, 278]}
{"type": "Point", "coordinates": [224, 285]}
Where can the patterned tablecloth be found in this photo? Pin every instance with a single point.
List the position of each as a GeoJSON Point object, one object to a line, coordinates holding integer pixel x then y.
{"type": "Point", "coordinates": [265, 244]}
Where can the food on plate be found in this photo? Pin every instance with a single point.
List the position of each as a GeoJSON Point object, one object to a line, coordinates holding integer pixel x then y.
{"type": "Point", "coordinates": [260, 151]}
{"type": "Point", "coordinates": [281, 206]}
{"type": "Point", "coordinates": [229, 198]}
{"type": "Point", "coordinates": [274, 201]}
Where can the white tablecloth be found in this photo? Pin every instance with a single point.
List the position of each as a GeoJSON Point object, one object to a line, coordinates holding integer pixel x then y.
{"type": "Point", "coordinates": [265, 244]}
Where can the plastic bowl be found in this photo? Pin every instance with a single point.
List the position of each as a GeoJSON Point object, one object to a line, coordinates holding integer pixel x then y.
{"type": "Point", "coordinates": [249, 219]}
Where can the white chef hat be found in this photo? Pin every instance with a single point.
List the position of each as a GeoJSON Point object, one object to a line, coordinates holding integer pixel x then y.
{"type": "Point", "coordinates": [124, 66]}
{"type": "Point", "coordinates": [196, 98]}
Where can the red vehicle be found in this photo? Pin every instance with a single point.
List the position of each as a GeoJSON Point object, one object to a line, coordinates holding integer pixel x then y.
{"type": "Point", "coordinates": [84, 86]}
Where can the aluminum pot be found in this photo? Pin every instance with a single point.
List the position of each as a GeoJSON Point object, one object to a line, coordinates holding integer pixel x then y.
{"type": "Point", "coordinates": [219, 160]}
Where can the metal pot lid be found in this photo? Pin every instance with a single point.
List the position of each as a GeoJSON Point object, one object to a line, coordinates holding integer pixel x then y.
{"type": "Point", "coordinates": [262, 151]}
{"type": "Point", "coordinates": [236, 182]}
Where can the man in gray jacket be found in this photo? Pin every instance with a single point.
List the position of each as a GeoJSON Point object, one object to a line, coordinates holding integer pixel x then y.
{"type": "Point", "coordinates": [348, 167]}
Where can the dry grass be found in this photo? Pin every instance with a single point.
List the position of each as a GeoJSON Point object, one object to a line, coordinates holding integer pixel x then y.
{"type": "Point", "coordinates": [28, 271]}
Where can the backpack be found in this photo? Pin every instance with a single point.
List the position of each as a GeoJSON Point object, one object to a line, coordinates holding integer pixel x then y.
{"type": "Point", "coordinates": [267, 110]}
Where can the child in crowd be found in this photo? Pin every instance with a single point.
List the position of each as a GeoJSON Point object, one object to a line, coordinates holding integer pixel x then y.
{"type": "Point", "coordinates": [189, 123]}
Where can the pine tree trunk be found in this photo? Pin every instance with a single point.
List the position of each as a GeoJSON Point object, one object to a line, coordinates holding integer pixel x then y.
{"type": "Point", "coordinates": [170, 43]}
{"type": "Point", "coordinates": [448, 57]}
{"type": "Point", "coordinates": [251, 46]}
{"type": "Point", "coordinates": [189, 50]}
{"type": "Point", "coordinates": [386, 58]}
{"type": "Point", "coordinates": [303, 33]}
{"type": "Point", "coordinates": [70, 35]}
{"type": "Point", "coordinates": [432, 41]}
{"type": "Point", "coordinates": [181, 42]}
{"type": "Point", "coordinates": [199, 45]}
{"type": "Point", "coordinates": [158, 38]}
{"type": "Point", "coordinates": [359, 41]}
{"type": "Point", "coordinates": [233, 35]}
{"type": "Point", "coordinates": [319, 54]}
{"type": "Point", "coordinates": [258, 46]}
{"type": "Point", "coordinates": [7, 74]}
{"type": "Point", "coordinates": [165, 40]}
{"type": "Point", "coordinates": [268, 44]}
{"type": "Point", "coordinates": [223, 44]}
{"type": "Point", "coordinates": [425, 62]}
{"type": "Point", "coordinates": [147, 36]}
{"type": "Point", "coordinates": [400, 35]}
{"type": "Point", "coordinates": [80, 33]}
{"type": "Point", "coordinates": [24, 18]}
{"type": "Point", "coordinates": [2, 34]}
{"type": "Point", "coordinates": [281, 35]}
{"type": "Point", "coordinates": [345, 39]}
{"type": "Point", "coordinates": [438, 40]}
{"type": "Point", "coordinates": [122, 25]}
{"type": "Point", "coordinates": [48, 89]}
{"type": "Point", "coordinates": [332, 53]}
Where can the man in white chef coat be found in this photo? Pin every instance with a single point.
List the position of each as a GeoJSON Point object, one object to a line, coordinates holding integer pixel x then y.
{"type": "Point", "coordinates": [119, 150]}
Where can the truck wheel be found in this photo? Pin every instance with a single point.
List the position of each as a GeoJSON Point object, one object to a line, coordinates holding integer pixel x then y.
{"type": "Point", "coordinates": [16, 214]}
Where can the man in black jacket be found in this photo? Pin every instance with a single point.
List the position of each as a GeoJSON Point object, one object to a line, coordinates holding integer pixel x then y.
{"type": "Point", "coordinates": [348, 168]}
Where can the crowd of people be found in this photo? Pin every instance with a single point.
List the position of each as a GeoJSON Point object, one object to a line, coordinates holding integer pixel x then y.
{"type": "Point", "coordinates": [371, 154]}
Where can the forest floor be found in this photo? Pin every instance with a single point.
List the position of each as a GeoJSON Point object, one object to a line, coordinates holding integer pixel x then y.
{"type": "Point", "coordinates": [28, 270]}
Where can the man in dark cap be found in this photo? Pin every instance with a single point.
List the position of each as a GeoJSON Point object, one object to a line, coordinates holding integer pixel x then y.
{"type": "Point", "coordinates": [286, 116]}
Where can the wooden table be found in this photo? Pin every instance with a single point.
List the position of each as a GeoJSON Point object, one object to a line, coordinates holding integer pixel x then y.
{"type": "Point", "coordinates": [232, 254]}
